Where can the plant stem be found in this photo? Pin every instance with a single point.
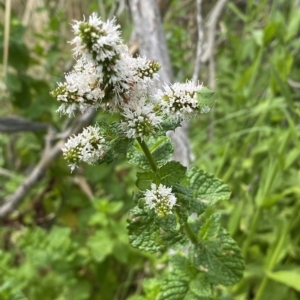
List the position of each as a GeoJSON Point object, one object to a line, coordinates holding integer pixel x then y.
{"type": "Point", "coordinates": [152, 163]}
{"type": "Point", "coordinates": [188, 229]}
{"type": "Point", "coordinates": [148, 154]}
{"type": "Point", "coordinates": [190, 233]}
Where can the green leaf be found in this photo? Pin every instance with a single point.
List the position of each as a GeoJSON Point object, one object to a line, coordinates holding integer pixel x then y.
{"type": "Point", "coordinates": [185, 282]}
{"type": "Point", "coordinates": [100, 245]}
{"type": "Point", "coordinates": [184, 194]}
{"type": "Point", "coordinates": [182, 267]}
{"type": "Point", "coordinates": [143, 231]}
{"type": "Point", "coordinates": [150, 233]}
{"type": "Point", "coordinates": [270, 32]}
{"type": "Point", "coordinates": [167, 125]}
{"type": "Point", "coordinates": [220, 260]}
{"type": "Point", "coordinates": [293, 25]}
{"type": "Point", "coordinates": [173, 288]}
{"type": "Point", "coordinates": [205, 99]}
{"type": "Point", "coordinates": [290, 278]}
{"type": "Point", "coordinates": [201, 287]}
{"type": "Point", "coordinates": [197, 206]}
{"type": "Point", "coordinates": [160, 148]}
{"type": "Point", "coordinates": [168, 222]}
{"type": "Point", "coordinates": [121, 145]}
{"type": "Point", "coordinates": [144, 180]}
{"type": "Point", "coordinates": [115, 141]}
{"type": "Point", "coordinates": [210, 230]}
{"type": "Point", "coordinates": [172, 172]}
{"type": "Point", "coordinates": [184, 198]}
{"type": "Point", "coordinates": [207, 188]}
{"type": "Point", "coordinates": [169, 174]}
{"type": "Point", "coordinates": [175, 240]}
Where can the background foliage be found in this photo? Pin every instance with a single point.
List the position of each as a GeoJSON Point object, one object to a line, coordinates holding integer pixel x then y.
{"type": "Point", "coordinates": [68, 239]}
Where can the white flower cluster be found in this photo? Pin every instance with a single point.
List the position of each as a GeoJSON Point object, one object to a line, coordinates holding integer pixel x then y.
{"type": "Point", "coordinates": [87, 146]}
{"type": "Point", "coordinates": [179, 100]}
{"type": "Point", "coordinates": [161, 199]}
{"type": "Point", "coordinates": [97, 40]}
{"type": "Point", "coordinates": [80, 90]}
{"type": "Point", "coordinates": [140, 120]}
{"type": "Point", "coordinates": [106, 75]}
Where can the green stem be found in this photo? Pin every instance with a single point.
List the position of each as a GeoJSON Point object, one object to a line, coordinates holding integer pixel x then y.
{"type": "Point", "coordinates": [190, 233]}
{"type": "Point", "coordinates": [188, 229]}
{"type": "Point", "coordinates": [148, 154]}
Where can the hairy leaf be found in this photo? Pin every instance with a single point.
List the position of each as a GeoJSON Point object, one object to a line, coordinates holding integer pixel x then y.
{"type": "Point", "coordinates": [174, 288]}
{"type": "Point", "coordinates": [143, 231]}
{"type": "Point", "coordinates": [200, 287]}
{"type": "Point", "coordinates": [116, 142]}
{"type": "Point", "coordinates": [220, 259]}
{"type": "Point", "coordinates": [185, 282]}
{"type": "Point", "coordinates": [144, 180]}
{"type": "Point", "coordinates": [167, 223]}
{"type": "Point", "coordinates": [211, 228]}
{"type": "Point", "coordinates": [172, 172]}
{"type": "Point", "coordinates": [207, 189]}
{"type": "Point", "coordinates": [175, 240]}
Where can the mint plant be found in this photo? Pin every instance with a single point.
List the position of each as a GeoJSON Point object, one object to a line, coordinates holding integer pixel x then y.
{"type": "Point", "coordinates": [173, 205]}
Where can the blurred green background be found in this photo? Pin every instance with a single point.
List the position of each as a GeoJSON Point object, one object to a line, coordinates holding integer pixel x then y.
{"type": "Point", "coordinates": [68, 238]}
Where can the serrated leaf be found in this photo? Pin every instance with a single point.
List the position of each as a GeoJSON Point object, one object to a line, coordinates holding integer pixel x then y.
{"type": "Point", "coordinates": [143, 232]}
{"type": "Point", "coordinates": [220, 260]}
{"type": "Point", "coordinates": [205, 99]}
{"type": "Point", "coordinates": [182, 267]}
{"type": "Point", "coordinates": [168, 222]}
{"type": "Point", "coordinates": [184, 197]}
{"type": "Point", "coordinates": [183, 193]}
{"type": "Point", "coordinates": [172, 172]}
{"type": "Point", "coordinates": [173, 288]}
{"type": "Point", "coordinates": [175, 240]}
{"type": "Point", "coordinates": [144, 180]}
{"type": "Point", "coordinates": [169, 174]}
{"type": "Point", "coordinates": [160, 148]}
{"type": "Point", "coordinates": [115, 141]}
{"type": "Point", "coordinates": [197, 206]}
{"type": "Point", "coordinates": [210, 229]}
{"type": "Point", "coordinates": [192, 285]}
{"type": "Point", "coordinates": [121, 145]}
{"type": "Point", "coordinates": [201, 287]}
{"type": "Point", "coordinates": [207, 188]}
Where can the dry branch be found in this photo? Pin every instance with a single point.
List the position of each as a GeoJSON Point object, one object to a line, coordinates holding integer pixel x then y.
{"type": "Point", "coordinates": [199, 43]}
{"type": "Point", "coordinates": [211, 25]}
{"type": "Point", "coordinates": [151, 39]}
{"type": "Point", "coordinates": [48, 157]}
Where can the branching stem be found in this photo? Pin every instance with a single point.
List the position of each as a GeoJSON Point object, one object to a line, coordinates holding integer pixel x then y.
{"type": "Point", "coordinates": [153, 165]}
